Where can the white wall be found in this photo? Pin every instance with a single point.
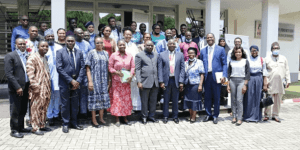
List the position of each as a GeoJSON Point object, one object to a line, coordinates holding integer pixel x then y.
{"type": "Point", "coordinates": [246, 26]}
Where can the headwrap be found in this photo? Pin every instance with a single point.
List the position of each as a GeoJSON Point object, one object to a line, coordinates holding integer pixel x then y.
{"type": "Point", "coordinates": [88, 24]}
{"type": "Point", "coordinates": [49, 32]}
{"type": "Point", "coordinates": [255, 47]}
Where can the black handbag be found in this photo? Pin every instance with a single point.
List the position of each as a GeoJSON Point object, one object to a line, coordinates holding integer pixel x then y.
{"type": "Point", "coordinates": [266, 100]}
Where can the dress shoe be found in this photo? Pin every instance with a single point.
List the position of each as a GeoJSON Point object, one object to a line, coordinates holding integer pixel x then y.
{"type": "Point", "coordinates": [65, 129]}
{"type": "Point", "coordinates": [95, 126]}
{"type": "Point", "coordinates": [51, 121]}
{"type": "Point", "coordinates": [215, 120]}
{"type": "Point", "coordinates": [77, 127]}
{"type": "Point", "coordinates": [152, 119]}
{"type": "Point", "coordinates": [25, 130]}
{"type": "Point", "coordinates": [118, 124]}
{"type": "Point", "coordinates": [127, 123]}
{"type": "Point", "coordinates": [144, 120]}
{"type": "Point", "coordinates": [38, 132]}
{"type": "Point", "coordinates": [165, 120]}
{"type": "Point", "coordinates": [176, 120]}
{"type": "Point", "coordinates": [16, 134]}
{"type": "Point", "coordinates": [192, 121]}
{"type": "Point", "coordinates": [276, 119]}
{"type": "Point", "coordinates": [207, 118]}
{"type": "Point", "coordinates": [239, 123]}
{"type": "Point", "coordinates": [103, 124]}
{"type": "Point", "coordinates": [46, 129]}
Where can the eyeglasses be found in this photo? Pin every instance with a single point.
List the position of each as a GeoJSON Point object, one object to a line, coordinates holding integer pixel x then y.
{"type": "Point", "coordinates": [157, 28]}
{"type": "Point", "coordinates": [99, 43]}
{"type": "Point", "coordinates": [276, 48]}
{"type": "Point", "coordinates": [22, 44]}
{"type": "Point", "coordinates": [25, 20]}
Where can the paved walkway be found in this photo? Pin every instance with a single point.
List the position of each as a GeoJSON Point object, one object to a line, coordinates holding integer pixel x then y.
{"type": "Point", "coordinates": [224, 135]}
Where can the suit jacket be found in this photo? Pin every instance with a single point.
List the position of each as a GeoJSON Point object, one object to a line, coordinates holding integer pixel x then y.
{"type": "Point", "coordinates": [163, 65]}
{"type": "Point", "coordinates": [65, 68]}
{"type": "Point", "coordinates": [202, 44]}
{"type": "Point", "coordinates": [146, 69]}
{"type": "Point", "coordinates": [219, 61]}
{"type": "Point", "coordinates": [38, 76]}
{"type": "Point", "coordinates": [14, 71]}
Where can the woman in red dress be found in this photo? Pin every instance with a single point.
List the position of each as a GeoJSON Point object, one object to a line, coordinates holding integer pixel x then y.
{"type": "Point", "coordinates": [120, 93]}
{"type": "Point", "coordinates": [109, 43]}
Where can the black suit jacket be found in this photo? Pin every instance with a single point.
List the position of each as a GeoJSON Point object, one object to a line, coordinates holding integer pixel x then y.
{"type": "Point", "coordinates": [14, 71]}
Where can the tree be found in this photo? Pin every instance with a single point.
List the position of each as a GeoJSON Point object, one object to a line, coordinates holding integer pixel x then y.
{"type": "Point", "coordinates": [169, 23]}
{"type": "Point", "coordinates": [104, 20]}
{"type": "Point", "coordinates": [82, 18]}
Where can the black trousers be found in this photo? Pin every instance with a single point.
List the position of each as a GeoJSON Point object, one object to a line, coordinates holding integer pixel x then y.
{"type": "Point", "coordinates": [18, 109]}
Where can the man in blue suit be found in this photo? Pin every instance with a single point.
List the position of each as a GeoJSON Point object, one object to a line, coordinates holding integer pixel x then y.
{"type": "Point", "coordinates": [170, 76]}
{"type": "Point", "coordinates": [70, 67]}
{"type": "Point", "coordinates": [214, 60]}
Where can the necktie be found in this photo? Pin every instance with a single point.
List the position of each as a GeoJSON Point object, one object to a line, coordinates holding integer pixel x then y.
{"type": "Point", "coordinates": [209, 57]}
{"type": "Point", "coordinates": [171, 56]}
{"type": "Point", "coordinates": [72, 59]}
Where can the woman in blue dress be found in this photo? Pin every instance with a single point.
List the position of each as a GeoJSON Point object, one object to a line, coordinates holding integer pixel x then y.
{"type": "Point", "coordinates": [193, 80]}
{"type": "Point", "coordinates": [98, 81]}
{"type": "Point", "coordinates": [136, 36]}
{"type": "Point", "coordinates": [257, 83]}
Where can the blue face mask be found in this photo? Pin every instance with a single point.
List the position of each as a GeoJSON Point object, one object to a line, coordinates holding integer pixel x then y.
{"type": "Point", "coordinates": [275, 52]}
{"type": "Point", "coordinates": [188, 41]}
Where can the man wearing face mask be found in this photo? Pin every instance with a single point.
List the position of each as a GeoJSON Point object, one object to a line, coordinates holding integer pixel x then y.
{"type": "Point", "coordinates": [201, 40]}
{"type": "Point", "coordinates": [85, 47]}
{"type": "Point", "coordinates": [279, 79]}
{"type": "Point", "coordinates": [162, 45]}
{"type": "Point", "coordinates": [90, 28]}
{"type": "Point", "coordinates": [18, 83]}
{"type": "Point", "coordinates": [32, 42]}
{"type": "Point", "coordinates": [72, 25]}
{"type": "Point", "coordinates": [70, 67]}
{"type": "Point", "coordinates": [237, 43]}
{"type": "Point", "coordinates": [20, 31]}
{"type": "Point", "coordinates": [184, 46]}
{"type": "Point", "coordinates": [53, 108]}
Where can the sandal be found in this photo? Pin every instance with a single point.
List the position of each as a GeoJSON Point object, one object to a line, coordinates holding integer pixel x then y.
{"type": "Point", "coordinates": [233, 121]}
{"type": "Point", "coordinates": [266, 119]}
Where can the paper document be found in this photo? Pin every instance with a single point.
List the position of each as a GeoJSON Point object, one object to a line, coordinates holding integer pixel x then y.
{"type": "Point", "coordinates": [219, 75]}
{"type": "Point", "coordinates": [126, 74]}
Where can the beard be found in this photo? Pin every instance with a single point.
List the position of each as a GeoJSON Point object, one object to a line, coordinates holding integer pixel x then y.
{"type": "Point", "coordinates": [50, 42]}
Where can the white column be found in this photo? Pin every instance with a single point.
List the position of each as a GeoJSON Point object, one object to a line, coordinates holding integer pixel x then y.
{"type": "Point", "coordinates": [180, 16]}
{"type": "Point", "coordinates": [150, 18]}
{"type": "Point", "coordinates": [212, 19]}
{"type": "Point", "coordinates": [58, 15]}
{"type": "Point", "coordinates": [96, 17]}
{"type": "Point", "coordinates": [270, 22]}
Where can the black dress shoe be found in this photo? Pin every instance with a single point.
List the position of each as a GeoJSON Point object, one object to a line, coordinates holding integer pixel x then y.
{"type": "Point", "coordinates": [176, 120]}
{"type": "Point", "coordinates": [16, 134]}
{"type": "Point", "coordinates": [51, 121]}
{"type": "Point", "coordinates": [95, 126]}
{"type": "Point", "coordinates": [25, 130]}
{"type": "Point", "coordinates": [215, 120]}
{"type": "Point", "coordinates": [165, 120]}
{"type": "Point", "coordinates": [46, 129]}
{"type": "Point", "coordinates": [65, 129]}
{"type": "Point", "coordinates": [144, 120]}
{"type": "Point", "coordinates": [207, 118]}
{"type": "Point", "coordinates": [192, 121]}
{"type": "Point", "coordinates": [152, 119]}
{"type": "Point", "coordinates": [77, 127]}
{"type": "Point", "coordinates": [127, 123]}
{"type": "Point", "coordinates": [276, 119]}
{"type": "Point", "coordinates": [38, 132]}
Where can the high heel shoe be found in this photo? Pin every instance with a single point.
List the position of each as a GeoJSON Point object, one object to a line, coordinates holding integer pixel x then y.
{"type": "Point", "coordinates": [95, 126]}
{"type": "Point", "coordinates": [104, 124]}
{"type": "Point", "coordinates": [192, 121]}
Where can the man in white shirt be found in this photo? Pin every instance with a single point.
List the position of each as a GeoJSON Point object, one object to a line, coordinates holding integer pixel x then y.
{"type": "Point", "coordinates": [115, 33]}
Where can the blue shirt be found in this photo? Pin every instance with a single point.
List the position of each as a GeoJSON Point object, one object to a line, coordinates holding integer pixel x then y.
{"type": "Point", "coordinates": [84, 46]}
{"type": "Point", "coordinates": [18, 32]}
{"type": "Point", "coordinates": [92, 41]}
{"type": "Point", "coordinates": [155, 40]}
{"type": "Point", "coordinates": [162, 45]}
{"type": "Point", "coordinates": [51, 57]}
{"type": "Point", "coordinates": [193, 71]}
{"type": "Point", "coordinates": [136, 38]}
{"type": "Point", "coordinates": [23, 59]}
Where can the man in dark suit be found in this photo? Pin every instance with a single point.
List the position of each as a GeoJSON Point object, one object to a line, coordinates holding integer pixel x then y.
{"type": "Point", "coordinates": [201, 39]}
{"type": "Point", "coordinates": [146, 75]}
{"type": "Point", "coordinates": [170, 77]}
{"type": "Point", "coordinates": [214, 60]}
{"type": "Point", "coordinates": [18, 83]}
{"type": "Point", "coordinates": [70, 67]}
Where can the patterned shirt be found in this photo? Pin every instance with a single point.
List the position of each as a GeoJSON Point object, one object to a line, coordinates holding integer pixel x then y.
{"type": "Point", "coordinates": [162, 45]}
{"type": "Point", "coordinates": [136, 38]}
{"type": "Point", "coordinates": [84, 46]}
{"type": "Point", "coordinates": [31, 46]}
{"type": "Point", "coordinates": [193, 71]}
{"type": "Point", "coordinates": [185, 46]}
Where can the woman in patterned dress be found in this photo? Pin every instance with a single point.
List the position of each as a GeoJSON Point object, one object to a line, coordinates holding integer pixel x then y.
{"type": "Point", "coordinates": [98, 81]}
{"type": "Point", "coordinates": [120, 93]}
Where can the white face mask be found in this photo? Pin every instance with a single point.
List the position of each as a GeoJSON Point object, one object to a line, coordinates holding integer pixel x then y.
{"type": "Point", "coordinates": [91, 33]}
{"type": "Point", "coordinates": [275, 52]}
{"type": "Point", "coordinates": [192, 59]}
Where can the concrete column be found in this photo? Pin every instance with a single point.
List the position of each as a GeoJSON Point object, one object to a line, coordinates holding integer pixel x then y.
{"type": "Point", "coordinates": [150, 18]}
{"type": "Point", "coordinates": [96, 17]}
{"type": "Point", "coordinates": [180, 16]}
{"type": "Point", "coordinates": [212, 19]}
{"type": "Point", "coordinates": [270, 23]}
{"type": "Point", "coordinates": [58, 15]}
{"type": "Point", "coordinates": [23, 7]}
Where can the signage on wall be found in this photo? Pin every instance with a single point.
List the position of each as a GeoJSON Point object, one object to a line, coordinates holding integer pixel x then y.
{"type": "Point", "coordinates": [285, 31]}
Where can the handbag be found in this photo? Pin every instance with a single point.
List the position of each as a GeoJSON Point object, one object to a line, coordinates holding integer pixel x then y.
{"type": "Point", "coordinates": [266, 100]}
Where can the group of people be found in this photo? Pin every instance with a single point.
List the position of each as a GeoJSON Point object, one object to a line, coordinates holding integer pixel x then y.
{"type": "Point", "coordinates": [119, 72]}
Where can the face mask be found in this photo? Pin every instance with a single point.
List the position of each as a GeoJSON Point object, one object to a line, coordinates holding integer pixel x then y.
{"type": "Point", "coordinates": [156, 33]}
{"type": "Point", "coordinates": [275, 52]}
{"type": "Point", "coordinates": [192, 59]}
{"type": "Point", "coordinates": [188, 41]}
{"type": "Point", "coordinates": [91, 33]}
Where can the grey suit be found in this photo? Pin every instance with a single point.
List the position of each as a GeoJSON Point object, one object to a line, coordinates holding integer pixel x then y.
{"type": "Point", "coordinates": [146, 73]}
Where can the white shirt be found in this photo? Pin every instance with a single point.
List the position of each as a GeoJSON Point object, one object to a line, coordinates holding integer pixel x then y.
{"type": "Point", "coordinates": [114, 35]}
{"type": "Point", "coordinates": [229, 55]}
{"type": "Point", "coordinates": [73, 52]}
{"type": "Point", "coordinates": [212, 49]}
